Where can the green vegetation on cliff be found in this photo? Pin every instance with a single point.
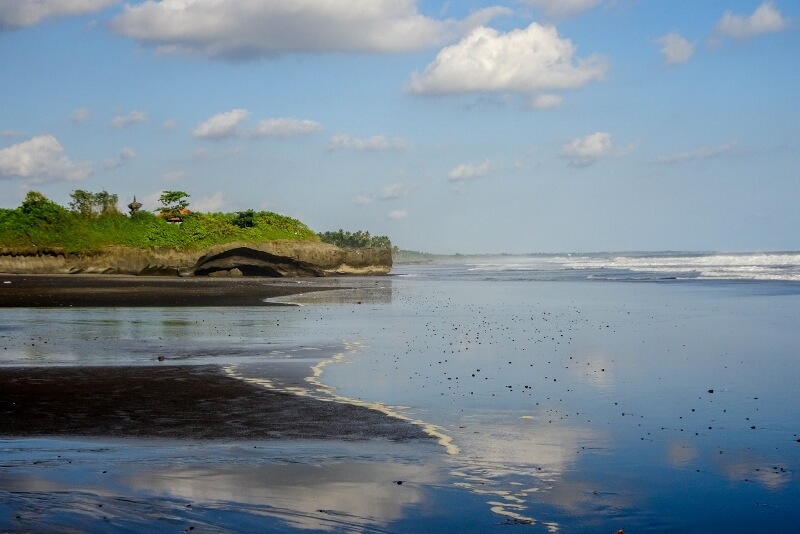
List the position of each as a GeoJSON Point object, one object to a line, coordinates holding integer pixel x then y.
{"type": "Point", "coordinates": [357, 239]}
{"type": "Point", "coordinates": [93, 222]}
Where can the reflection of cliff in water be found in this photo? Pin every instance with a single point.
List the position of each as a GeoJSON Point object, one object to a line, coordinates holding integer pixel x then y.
{"type": "Point", "coordinates": [346, 291]}
{"type": "Point", "coordinates": [196, 335]}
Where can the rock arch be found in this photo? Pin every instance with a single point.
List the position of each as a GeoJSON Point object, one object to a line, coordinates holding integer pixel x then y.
{"type": "Point", "coordinates": [247, 261]}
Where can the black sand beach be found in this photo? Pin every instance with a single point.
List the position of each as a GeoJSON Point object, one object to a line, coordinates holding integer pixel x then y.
{"type": "Point", "coordinates": [186, 402]}
{"type": "Point", "coordinates": [184, 447]}
{"type": "Point", "coordinates": [141, 291]}
{"type": "Point", "coordinates": [190, 402]}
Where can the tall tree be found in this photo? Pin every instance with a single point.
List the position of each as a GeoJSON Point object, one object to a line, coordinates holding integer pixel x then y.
{"type": "Point", "coordinates": [173, 203]}
{"type": "Point", "coordinates": [82, 202]}
{"type": "Point", "coordinates": [90, 204]}
{"type": "Point", "coordinates": [106, 203]}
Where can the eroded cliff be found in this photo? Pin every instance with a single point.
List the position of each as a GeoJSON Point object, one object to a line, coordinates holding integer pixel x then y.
{"type": "Point", "coordinates": [272, 258]}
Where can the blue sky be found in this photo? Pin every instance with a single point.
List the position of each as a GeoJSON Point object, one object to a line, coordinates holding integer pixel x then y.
{"type": "Point", "coordinates": [470, 126]}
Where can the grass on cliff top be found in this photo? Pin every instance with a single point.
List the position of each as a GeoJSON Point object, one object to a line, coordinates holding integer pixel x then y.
{"type": "Point", "coordinates": [43, 224]}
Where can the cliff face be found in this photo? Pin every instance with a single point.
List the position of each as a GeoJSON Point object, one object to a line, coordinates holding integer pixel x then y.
{"type": "Point", "coordinates": [273, 258]}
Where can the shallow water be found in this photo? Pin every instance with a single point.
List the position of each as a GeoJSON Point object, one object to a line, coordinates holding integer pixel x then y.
{"type": "Point", "coordinates": [572, 405]}
{"type": "Point", "coordinates": [586, 405]}
{"type": "Point", "coordinates": [155, 486]}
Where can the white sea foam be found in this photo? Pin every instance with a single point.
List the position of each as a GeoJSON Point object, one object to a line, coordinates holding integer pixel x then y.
{"type": "Point", "coordinates": [784, 266]}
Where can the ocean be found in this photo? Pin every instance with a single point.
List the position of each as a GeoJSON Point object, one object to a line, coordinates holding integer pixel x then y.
{"type": "Point", "coordinates": [635, 266]}
{"type": "Point", "coordinates": [563, 393]}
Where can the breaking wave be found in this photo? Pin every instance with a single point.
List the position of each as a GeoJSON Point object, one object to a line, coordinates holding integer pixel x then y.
{"type": "Point", "coordinates": [778, 266]}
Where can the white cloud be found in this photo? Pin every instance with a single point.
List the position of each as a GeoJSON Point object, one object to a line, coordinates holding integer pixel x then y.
{"type": "Point", "coordinates": [393, 191]}
{"type": "Point", "coordinates": [468, 171]}
{"type": "Point", "coordinates": [545, 102]}
{"type": "Point", "coordinates": [10, 134]}
{"type": "Point", "coordinates": [675, 49]}
{"type": "Point", "coordinates": [80, 115]}
{"type": "Point", "coordinates": [286, 127]}
{"type": "Point", "coordinates": [222, 125]}
{"type": "Point", "coordinates": [23, 13]}
{"type": "Point", "coordinates": [245, 29]}
{"type": "Point", "coordinates": [390, 192]}
{"type": "Point", "coordinates": [209, 204]}
{"type": "Point", "coordinates": [398, 215]}
{"type": "Point", "coordinates": [522, 60]}
{"type": "Point", "coordinates": [173, 176]}
{"type": "Point", "coordinates": [564, 8]}
{"type": "Point", "coordinates": [702, 153]}
{"type": "Point", "coordinates": [125, 155]}
{"type": "Point", "coordinates": [765, 19]}
{"type": "Point", "coordinates": [169, 124]}
{"type": "Point", "coordinates": [41, 159]}
{"type": "Point", "coordinates": [371, 144]}
{"type": "Point", "coordinates": [229, 124]}
{"type": "Point", "coordinates": [134, 117]}
{"type": "Point", "coordinates": [583, 151]}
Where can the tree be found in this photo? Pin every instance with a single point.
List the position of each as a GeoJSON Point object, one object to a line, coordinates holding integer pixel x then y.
{"type": "Point", "coordinates": [245, 219]}
{"type": "Point", "coordinates": [88, 204]}
{"type": "Point", "coordinates": [82, 202]}
{"type": "Point", "coordinates": [173, 203]}
{"type": "Point", "coordinates": [42, 210]}
{"type": "Point", "coordinates": [380, 241]}
{"type": "Point", "coordinates": [106, 203]}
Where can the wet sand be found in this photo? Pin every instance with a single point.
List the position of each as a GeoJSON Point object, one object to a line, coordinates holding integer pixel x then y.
{"type": "Point", "coordinates": [196, 402]}
{"type": "Point", "coordinates": [142, 291]}
{"type": "Point", "coordinates": [155, 447]}
{"type": "Point", "coordinates": [187, 402]}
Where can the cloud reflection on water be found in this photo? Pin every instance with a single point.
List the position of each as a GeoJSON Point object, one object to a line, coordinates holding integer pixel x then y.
{"type": "Point", "coordinates": [739, 467]}
{"type": "Point", "coordinates": [364, 493]}
{"type": "Point", "coordinates": [681, 453]}
{"type": "Point", "coordinates": [519, 466]}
